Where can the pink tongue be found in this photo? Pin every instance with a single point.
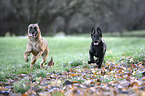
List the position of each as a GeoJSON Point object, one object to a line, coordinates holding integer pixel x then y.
{"type": "Point", "coordinates": [33, 35]}
{"type": "Point", "coordinates": [96, 43]}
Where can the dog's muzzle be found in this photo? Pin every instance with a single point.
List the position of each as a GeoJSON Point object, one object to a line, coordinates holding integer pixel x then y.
{"type": "Point", "coordinates": [33, 33]}
{"type": "Point", "coordinates": [96, 42]}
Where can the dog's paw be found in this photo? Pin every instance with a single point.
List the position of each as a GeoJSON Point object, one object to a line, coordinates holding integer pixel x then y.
{"type": "Point", "coordinates": [26, 59]}
{"type": "Point", "coordinates": [98, 65]}
{"type": "Point", "coordinates": [31, 66]}
{"type": "Point", "coordinates": [91, 61]}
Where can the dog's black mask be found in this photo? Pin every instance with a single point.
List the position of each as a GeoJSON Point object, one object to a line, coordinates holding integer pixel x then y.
{"type": "Point", "coordinates": [33, 31]}
{"type": "Point", "coordinates": [96, 36]}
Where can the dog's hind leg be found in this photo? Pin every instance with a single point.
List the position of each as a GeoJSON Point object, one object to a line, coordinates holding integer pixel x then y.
{"type": "Point", "coordinates": [44, 57]}
{"type": "Point", "coordinates": [100, 61]}
{"type": "Point", "coordinates": [43, 61]}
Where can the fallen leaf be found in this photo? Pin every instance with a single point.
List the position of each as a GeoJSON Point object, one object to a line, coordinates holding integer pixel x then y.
{"type": "Point", "coordinates": [92, 82]}
{"type": "Point", "coordinates": [98, 83]}
{"type": "Point", "coordinates": [73, 75]}
{"type": "Point", "coordinates": [76, 82]}
{"type": "Point", "coordinates": [23, 95]}
{"type": "Point", "coordinates": [143, 78]}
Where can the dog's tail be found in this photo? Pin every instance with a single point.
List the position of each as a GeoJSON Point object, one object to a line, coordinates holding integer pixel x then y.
{"type": "Point", "coordinates": [50, 63]}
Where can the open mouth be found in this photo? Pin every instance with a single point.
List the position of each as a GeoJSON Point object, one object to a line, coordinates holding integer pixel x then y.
{"type": "Point", "coordinates": [96, 42]}
{"type": "Point", "coordinates": [33, 35]}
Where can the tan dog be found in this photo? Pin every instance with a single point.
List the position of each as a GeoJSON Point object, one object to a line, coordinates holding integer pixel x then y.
{"type": "Point", "coordinates": [36, 45]}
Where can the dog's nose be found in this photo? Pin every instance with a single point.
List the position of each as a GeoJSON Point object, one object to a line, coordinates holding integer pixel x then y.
{"type": "Point", "coordinates": [32, 31]}
{"type": "Point", "coordinates": [96, 41]}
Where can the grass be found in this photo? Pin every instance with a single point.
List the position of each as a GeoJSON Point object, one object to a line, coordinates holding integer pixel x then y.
{"type": "Point", "coordinates": [66, 52]}
{"type": "Point", "coordinates": [22, 86]}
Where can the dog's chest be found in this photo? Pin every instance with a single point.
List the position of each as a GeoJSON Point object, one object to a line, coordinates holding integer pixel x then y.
{"type": "Point", "coordinates": [97, 50]}
{"type": "Point", "coordinates": [35, 48]}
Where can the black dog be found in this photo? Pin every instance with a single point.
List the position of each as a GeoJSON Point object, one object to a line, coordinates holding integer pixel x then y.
{"type": "Point", "coordinates": [97, 48]}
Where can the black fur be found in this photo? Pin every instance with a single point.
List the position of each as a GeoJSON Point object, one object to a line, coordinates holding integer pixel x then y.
{"type": "Point", "coordinates": [97, 48]}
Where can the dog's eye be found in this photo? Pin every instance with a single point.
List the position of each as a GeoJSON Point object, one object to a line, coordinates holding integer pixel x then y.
{"type": "Point", "coordinates": [35, 28]}
{"type": "Point", "coordinates": [30, 28]}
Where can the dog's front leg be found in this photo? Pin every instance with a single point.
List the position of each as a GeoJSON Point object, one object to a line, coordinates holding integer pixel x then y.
{"type": "Point", "coordinates": [91, 58]}
{"type": "Point", "coordinates": [26, 54]}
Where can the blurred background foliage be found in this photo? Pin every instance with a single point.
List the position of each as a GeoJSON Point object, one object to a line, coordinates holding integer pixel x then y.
{"type": "Point", "coordinates": [71, 16]}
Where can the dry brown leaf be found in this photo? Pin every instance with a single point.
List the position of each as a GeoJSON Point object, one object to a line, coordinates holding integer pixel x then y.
{"type": "Point", "coordinates": [92, 82]}
{"type": "Point", "coordinates": [73, 75]}
{"type": "Point", "coordinates": [143, 78]}
{"type": "Point", "coordinates": [109, 74]}
{"type": "Point", "coordinates": [84, 77]}
{"type": "Point", "coordinates": [114, 82]}
{"type": "Point", "coordinates": [76, 82]}
{"type": "Point", "coordinates": [108, 64]}
{"type": "Point", "coordinates": [129, 74]}
{"type": "Point", "coordinates": [119, 71]}
{"type": "Point", "coordinates": [129, 68]}
{"type": "Point", "coordinates": [23, 95]}
{"type": "Point", "coordinates": [98, 83]}
{"type": "Point", "coordinates": [98, 80]}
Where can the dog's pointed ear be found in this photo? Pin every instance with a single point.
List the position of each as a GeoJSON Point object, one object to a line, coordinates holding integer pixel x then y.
{"type": "Point", "coordinates": [92, 31]}
{"type": "Point", "coordinates": [29, 27]}
{"type": "Point", "coordinates": [99, 31]}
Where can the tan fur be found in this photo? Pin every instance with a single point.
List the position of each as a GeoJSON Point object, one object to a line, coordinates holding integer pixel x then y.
{"type": "Point", "coordinates": [38, 46]}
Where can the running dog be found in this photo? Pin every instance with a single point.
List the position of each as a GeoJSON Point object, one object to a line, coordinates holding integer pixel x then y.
{"type": "Point", "coordinates": [36, 45]}
{"type": "Point", "coordinates": [97, 48]}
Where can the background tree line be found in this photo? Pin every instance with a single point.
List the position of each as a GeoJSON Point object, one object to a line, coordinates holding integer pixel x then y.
{"type": "Point", "coordinates": [71, 16]}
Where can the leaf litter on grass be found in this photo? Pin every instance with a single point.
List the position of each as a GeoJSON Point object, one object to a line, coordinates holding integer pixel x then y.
{"type": "Point", "coordinates": [127, 77]}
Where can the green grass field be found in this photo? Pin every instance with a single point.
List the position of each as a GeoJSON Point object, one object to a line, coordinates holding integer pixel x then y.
{"type": "Point", "coordinates": [65, 51]}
